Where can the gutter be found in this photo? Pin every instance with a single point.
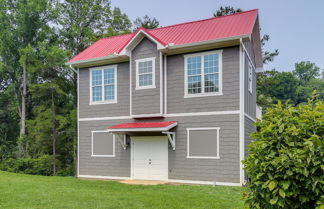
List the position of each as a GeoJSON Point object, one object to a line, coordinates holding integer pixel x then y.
{"type": "Point", "coordinates": [115, 55]}
{"type": "Point", "coordinates": [72, 68]}
{"type": "Point", "coordinates": [172, 46]}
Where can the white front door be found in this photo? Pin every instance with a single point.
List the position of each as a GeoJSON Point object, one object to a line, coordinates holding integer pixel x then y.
{"type": "Point", "coordinates": [150, 157]}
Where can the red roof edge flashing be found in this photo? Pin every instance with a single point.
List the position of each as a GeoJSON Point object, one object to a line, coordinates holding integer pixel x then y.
{"type": "Point", "coordinates": [138, 31]}
{"type": "Point", "coordinates": [144, 125]}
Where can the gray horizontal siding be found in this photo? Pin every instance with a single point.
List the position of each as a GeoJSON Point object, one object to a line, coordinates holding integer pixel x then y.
{"type": "Point", "coordinates": [101, 166]}
{"type": "Point", "coordinates": [225, 169]}
{"type": "Point", "coordinates": [146, 101]}
{"type": "Point", "coordinates": [176, 103]}
{"type": "Point", "coordinates": [249, 128]}
{"type": "Point", "coordinates": [121, 108]}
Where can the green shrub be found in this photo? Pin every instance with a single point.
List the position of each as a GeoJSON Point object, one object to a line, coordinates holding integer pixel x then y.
{"type": "Point", "coordinates": [36, 166]}
{"type": "Point", "coordinates": [286, 161]}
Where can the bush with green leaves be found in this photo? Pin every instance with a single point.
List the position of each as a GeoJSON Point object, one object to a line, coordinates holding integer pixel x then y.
{"type": "Point", "coordinates": [36, 166]}
{"type": "Point", "coordinates": [286, 161]}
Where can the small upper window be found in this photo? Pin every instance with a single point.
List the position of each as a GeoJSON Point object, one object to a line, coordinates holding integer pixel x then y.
{"type": "Point", "coordinates": [203, 74]}
{"type": "Point", "coordinates": [250, 79]}
{"type": "Point", "coordinates": [145, 73]}
{"type": "Point", "coordinates": [103, 84]}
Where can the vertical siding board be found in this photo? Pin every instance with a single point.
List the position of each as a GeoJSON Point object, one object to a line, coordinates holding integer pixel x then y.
{"type": "Point", "coordinates": [250, 99]}
{"type": "Point", "coordinates": [248, 129]}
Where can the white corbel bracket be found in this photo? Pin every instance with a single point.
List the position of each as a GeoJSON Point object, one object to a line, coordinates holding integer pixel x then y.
{"type": "Point", "coordinates": [122, 139]}
{"type": "Point", "coordinates": [171, 137]}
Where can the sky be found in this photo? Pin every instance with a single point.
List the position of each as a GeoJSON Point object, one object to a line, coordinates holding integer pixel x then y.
{"type": "Point", "coordinates": [296, 27]}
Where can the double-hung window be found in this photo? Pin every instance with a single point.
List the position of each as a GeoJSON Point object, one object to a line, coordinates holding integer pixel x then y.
{"type": "Point", "coordinates": [250, 77]}
{"type": "Point", "coordinates": [203, 74]}
{"type": "Point", "coordinates": [103, 85]}
{"type": "Point", "coordinates": [145, 73]}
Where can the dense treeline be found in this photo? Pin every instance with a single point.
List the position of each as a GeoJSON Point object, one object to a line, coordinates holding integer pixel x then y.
{"type": "Point", "coordinates": [38, 116]}
{"type": "Point", "coordinates": [37, 91]}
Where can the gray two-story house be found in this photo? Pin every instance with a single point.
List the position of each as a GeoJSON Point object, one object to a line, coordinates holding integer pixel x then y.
{"type": "Point", "coordinates": [176, 103]}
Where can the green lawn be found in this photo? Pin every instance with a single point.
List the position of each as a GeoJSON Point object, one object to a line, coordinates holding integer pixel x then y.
{"type": "Point", "coordinates": [26, 191]}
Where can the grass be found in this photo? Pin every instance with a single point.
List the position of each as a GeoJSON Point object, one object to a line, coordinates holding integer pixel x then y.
{"type": "Point", "coordinates": [27, 191]}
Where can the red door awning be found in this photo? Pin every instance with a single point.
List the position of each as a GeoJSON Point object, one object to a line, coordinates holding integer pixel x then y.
{"type": "Point", "coordinates": [143, 127]}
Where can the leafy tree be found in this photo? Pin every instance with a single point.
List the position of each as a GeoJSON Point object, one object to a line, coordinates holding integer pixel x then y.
{"type": "Point", "coordinates": [36, 88]}
{"type": "Point", "coordinates": [274, 86]}
{"type": "Point", "coordinates": [286, 159]}
{"type": "Point", "coordinates": [146, 22]}
{"type": "Point", "coordinates": [24, 24]}
{"type": "Point", "coordinates": [226, 10]}
{"type": "Point", "coordinates": [267, 56]}
{"type": "Point", "coordinates": [84, 22]}
{"type": "Point", "coordinates": [305, 71]}
{"type": "Point", "coordinates": [296, 86]}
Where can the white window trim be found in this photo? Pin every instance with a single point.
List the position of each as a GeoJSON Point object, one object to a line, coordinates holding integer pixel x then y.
{"type": "Point", "coordinates": [217, 143]}
{"type": "Point", "coordinates": [103, 131]}
{"type": "Point", "coordinates": [102, 90]}
{"type": "Point", "coordinates": [138, 87]}
{"type": "Point", "coordinates": [250, 76]}
{"type": "Point", "coordinates": [220, 73]}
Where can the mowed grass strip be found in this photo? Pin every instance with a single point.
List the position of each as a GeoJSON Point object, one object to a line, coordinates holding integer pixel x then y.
{"type": "Point", "coordinates": [28, 191]}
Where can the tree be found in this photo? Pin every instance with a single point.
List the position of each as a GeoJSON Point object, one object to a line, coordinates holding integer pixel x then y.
{"type": "Point", "coordinates": [24, 24]}
{"type": "Point", "coordinates": [285, 164]}
{"type": "Point", "coordinates": [267, 56]}
{"type": "Point", "coordinates": [274, 86]}
{"type": "Point", "coordinates": [84, 22]}
{"type": "Point", "coordinates": [305, 71]}
{"type": "Point", "coordinates": [146, 22]}
{"type": "Point", "coordinates": [227, 10]}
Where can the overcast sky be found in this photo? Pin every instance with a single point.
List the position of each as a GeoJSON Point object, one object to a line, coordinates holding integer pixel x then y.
{"type": "Point", "coordinates": [296, 27]}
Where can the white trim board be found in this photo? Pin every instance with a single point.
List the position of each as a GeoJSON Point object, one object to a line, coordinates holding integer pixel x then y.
{"type": "Point", "coordinates": [249, 117]}
{"type": "Point", "coordinates": [212, 183]}
{"type": "Point", "coordinates": [106, 118]}
{"type": "Point", "coordinates": [78, 114]}
{"type": "Point", "coordinates": [229, 112]}
{"type": "Point", "coordinates": [165, 85]}
{"type": "Point", "coordinates": [241, 148]}
{"type": "Point", "coordinates": [135, 38]}
{"type": "Point", "coordinates": [130, 84]}
{"type": "Point", "coordinates": [103, 177]}
{"type": "Point", "coordinates": [161, 83]}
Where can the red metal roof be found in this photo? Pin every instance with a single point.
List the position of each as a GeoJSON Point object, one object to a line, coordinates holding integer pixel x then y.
{"type": "Point", "coordinates": [143, 125]}
{"type": "Point", "coordinates": [191, 32]}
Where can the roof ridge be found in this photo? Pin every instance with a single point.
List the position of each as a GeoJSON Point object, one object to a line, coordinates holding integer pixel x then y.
{"type": "Point", "coordinates": [202, 20]}
{"type": "Point", "coordinates": [119, 35]}
{"type": "Point", "coordinates": [169, 26]}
